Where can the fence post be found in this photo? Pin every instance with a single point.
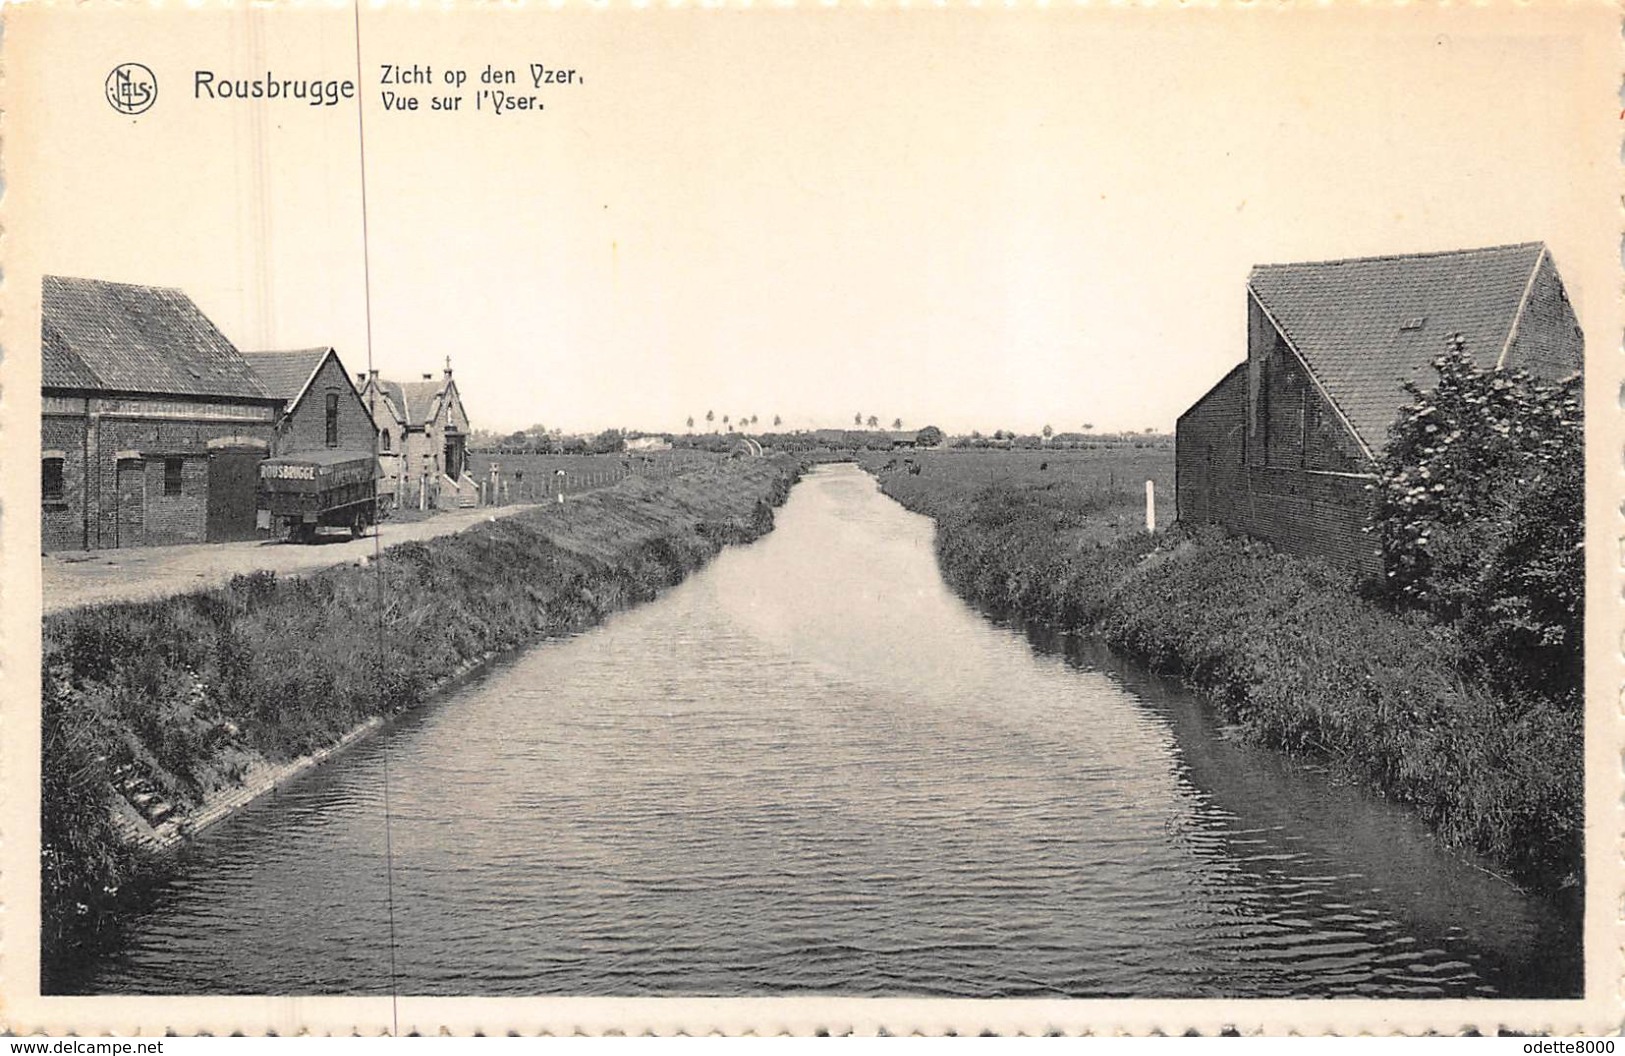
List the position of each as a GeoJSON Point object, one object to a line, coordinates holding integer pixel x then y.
{"type": "Point", "coordinates": [1150, 506]}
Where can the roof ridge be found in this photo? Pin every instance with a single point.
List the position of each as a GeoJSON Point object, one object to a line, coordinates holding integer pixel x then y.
{"type": "Point", "coordinates": [1425, 255]}
{"type": "Point", "coordinates": [312, 350]}
{"type": "Point", "coordinates": [114, 282]}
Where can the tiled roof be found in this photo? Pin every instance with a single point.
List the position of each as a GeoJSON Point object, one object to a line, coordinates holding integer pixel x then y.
{"type": "Point", "coordinates": [125, 338]}
{"type": "Point", "coordinates": [422, 399]}
{"type": "Point", "coordinates": [1368, 325]}
{"type": "Point", "coordinates": [393, 399]}
{"type": "Point", "coordinates": [59, 367]}
{"type": "Point", "coordinates": [417, 401]}
{"type": "Point", "coordinates": [285, 374]}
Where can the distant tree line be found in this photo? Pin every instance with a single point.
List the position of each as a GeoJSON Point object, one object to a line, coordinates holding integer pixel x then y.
{"type": "Point", "coordinates": [540, 440]}
{"type": "Point", "coordinates": [1049, 438]}
{"type": "Point", "coordinates": [865, 435]}
{"type": "Point", "coordinates": [808, 440]}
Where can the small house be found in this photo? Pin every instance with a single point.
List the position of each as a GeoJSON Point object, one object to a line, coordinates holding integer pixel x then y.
{"type": "Point", "coordinates": [426, 426]}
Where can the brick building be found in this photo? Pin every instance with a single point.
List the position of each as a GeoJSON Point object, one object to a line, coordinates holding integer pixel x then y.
{"type": "Point", "coordinates": [152, 424]}
{"type": "Point", "coordinates": [1282, 448]}
{"type": "Point", "coordinates": [391, 424]}
{"type": "Point", "coordinates": [321, 408]}
{"type": "Point", "coordinates": [424, 422]}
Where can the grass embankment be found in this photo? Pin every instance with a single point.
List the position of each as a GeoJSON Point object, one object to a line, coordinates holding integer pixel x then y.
{"type": "Point", "coordinates": [181, 698]}
{"type": "Point", "coordinates": [1286, 648]}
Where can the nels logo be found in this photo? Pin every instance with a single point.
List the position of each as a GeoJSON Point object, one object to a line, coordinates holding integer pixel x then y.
{"type": "Point", "coordinates": [131, 88]}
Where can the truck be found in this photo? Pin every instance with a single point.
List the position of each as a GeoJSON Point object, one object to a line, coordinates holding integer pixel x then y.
{"type": "Point", "coordinates": [299, 493]}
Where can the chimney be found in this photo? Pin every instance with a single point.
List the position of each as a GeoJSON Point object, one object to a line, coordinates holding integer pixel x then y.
{"type": "Point", "coordinates": [372, 373]}
{"type": "Point", "coordinates": [360, 379]}
{"type": "Point", "coordinates": [446, 377]}
{"type": "Point", "coordinates": [428, 377]}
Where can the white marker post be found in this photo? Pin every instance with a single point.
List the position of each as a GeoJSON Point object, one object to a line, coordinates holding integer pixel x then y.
{"type": "Point", "coordinates": [1150, 506]}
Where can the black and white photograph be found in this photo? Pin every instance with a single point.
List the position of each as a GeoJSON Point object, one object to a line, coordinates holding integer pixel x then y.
{"type": "Point", "coordinates": [1010, 515]}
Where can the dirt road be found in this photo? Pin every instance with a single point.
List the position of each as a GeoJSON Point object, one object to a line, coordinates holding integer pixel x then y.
{"type": "Point", "coordinates": [74, 578]}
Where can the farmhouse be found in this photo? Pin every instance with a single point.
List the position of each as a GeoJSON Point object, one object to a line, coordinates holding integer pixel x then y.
{"type": "Point", "coordinates": [1283, 447]}
{"type": "Point", "coordinates": [424, 422]}
{"type": "Point", "coordinates": [152, 424]}
{"type": "Point", "coordinates": [321, 409]}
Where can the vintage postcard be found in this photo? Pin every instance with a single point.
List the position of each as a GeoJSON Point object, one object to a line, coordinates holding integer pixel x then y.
{"type": "Point", "coordinates": [778, 517]}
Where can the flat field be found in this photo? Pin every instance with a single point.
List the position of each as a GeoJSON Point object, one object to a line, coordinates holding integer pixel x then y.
{"type": "Point", "coordinates": [1107, 484]}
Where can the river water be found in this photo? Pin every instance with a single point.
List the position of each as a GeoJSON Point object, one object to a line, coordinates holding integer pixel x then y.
{"type": "Point", "coordinates": [811, 768]}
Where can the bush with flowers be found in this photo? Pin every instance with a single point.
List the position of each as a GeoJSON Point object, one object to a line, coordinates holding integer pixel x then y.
{"type": "Point", "coordinates": [1480, 514]}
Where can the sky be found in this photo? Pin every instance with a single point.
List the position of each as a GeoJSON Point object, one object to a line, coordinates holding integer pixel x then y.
{"type": "Point", "coordinates": [977, 218]}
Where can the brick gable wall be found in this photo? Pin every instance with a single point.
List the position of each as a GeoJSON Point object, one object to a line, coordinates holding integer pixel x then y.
{"type": "Point", "coordinates": [1301, 511]}
{"type": "Point", "coordinates": [1283, 469]}
{"type": "Point", "coordinates": [306, 428]}
{"type": "Point", "coordinates": [1548, 343]}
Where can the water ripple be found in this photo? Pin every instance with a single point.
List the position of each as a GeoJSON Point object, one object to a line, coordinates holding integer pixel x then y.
{"type": "Point", "coordinates": [812, 769]}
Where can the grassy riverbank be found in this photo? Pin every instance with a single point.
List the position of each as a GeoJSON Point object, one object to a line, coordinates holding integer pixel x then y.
{"type": "Point", "coordinates": [1287, 649]}
{"type": "Point", "coordinates": [181, 701]}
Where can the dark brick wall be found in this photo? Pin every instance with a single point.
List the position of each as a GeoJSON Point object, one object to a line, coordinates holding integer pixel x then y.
{"type": "Point", "coordinates": [1330, 446]}
{"type": "Point", "coordinates": [306, 428]}
{"type": "Point", "coordinates": [164, 520]}
{"type": "Point", "coordinates": [1208, 451]}
{"type": "Point", "coordinates": [1283, 406]}
{"type": "Point", "coordinates": [167, 519]}
{"type": "Point", "coordinates": [1299, 509]}
{"type": "Point", "coordinates": [1309, 514]}
{"type": "Point", "coordinates": [126, 501]}
{"type": "Point", "coordinates": [1548, 343]}
{"type": "Point", "coordinates": [131, 501]}
{"type": "Point", "coordinates": [1293, 425]}
{"type": "Point", "coordinates": [62, 524]}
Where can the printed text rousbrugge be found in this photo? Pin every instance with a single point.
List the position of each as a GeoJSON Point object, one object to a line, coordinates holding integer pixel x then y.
{"type": "Point", "coordinates": [314, 91]}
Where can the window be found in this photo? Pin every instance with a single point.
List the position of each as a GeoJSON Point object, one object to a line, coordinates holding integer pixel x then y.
{"type": "Point", "coordinates": [332, 419]}
{"type": "Point", "coordinates": [383, 440]}
{"type": "Point", "coordinates": [50, 472]}
{"type": "Point", "coordinates": [172, 476]}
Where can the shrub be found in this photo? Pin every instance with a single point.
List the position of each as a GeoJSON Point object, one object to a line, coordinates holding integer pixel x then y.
{"type": "Point", "coordinates": [1480, 513]}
